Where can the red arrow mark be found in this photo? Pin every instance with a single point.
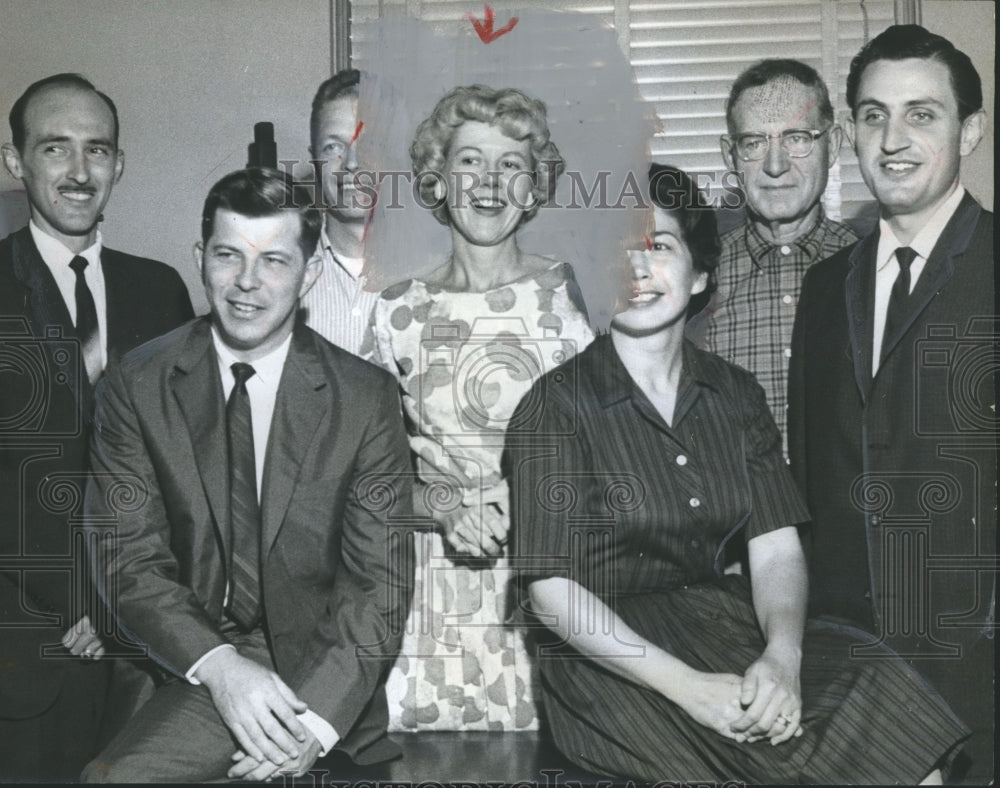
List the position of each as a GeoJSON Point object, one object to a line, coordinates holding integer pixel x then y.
{"type": "Point", "coordinates": [485, 28]}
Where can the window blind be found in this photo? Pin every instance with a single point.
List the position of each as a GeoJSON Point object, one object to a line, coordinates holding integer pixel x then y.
{"type": "Point", "coordinates": [686, 53]}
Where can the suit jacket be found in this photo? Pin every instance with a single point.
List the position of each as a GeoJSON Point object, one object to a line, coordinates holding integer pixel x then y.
{"type": "Point", "coordinates": [335, 505]}
{"type": "Point", "coordinates": [899, 471]}
{"type": "Point", "coordinates": [45, 414]}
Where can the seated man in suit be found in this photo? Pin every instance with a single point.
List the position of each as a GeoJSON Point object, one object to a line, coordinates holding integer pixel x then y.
{"type": "Point", "coordinates": [892, 422]}
{"type": "Point", "coordinates": [258, 561]}
{"type": "Point", "coordinates": [68, 305]}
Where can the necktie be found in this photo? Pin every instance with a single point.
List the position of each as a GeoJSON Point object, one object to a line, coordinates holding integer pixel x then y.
{"type": "Point", "coordinates": [244, 510]}
{"type": "Point", "coordinates": [896, 314]}
{"type": "Point", "coordinates": [86, 321]}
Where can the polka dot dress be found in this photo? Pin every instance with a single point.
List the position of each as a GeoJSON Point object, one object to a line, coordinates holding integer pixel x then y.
{"type": "Point", "coordinates": [464, 360]}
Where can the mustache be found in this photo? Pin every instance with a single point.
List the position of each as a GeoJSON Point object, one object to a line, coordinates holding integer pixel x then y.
{"type": "Point", "coordinates": [72, 187]}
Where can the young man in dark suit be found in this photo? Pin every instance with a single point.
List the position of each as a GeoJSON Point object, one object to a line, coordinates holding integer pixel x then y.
{"type": "Point", "coordinates": [263, 559]}
{"type": "Point", "coordinates": [67, 305]}
{"type": "Point", "coordinates": [892, 400]}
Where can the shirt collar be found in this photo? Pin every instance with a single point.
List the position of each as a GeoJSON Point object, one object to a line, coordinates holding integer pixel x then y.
{"type": "Point", "coordinates": [762, 250]}
{"type": "Point", "coordinates": [925, 240]}
{"type": "Point", "coordinates": [329, 253]}
{"type": "Point", "coordinates": [55, 253]}
{"type": "Point", "coordinates": [612, 382]}
{"type": "Point", "coordinates": [697, 368]}
{"type": "Point", "coordinates": [268, 368]}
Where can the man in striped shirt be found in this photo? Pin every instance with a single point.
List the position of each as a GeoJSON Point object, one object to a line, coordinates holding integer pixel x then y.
{"type": "Point", "coordinates": [782, 140]}
{"type": "Point", "coordinates": [338, 306]}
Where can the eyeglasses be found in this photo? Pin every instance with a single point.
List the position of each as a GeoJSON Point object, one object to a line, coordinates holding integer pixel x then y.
{"type": "Point", "coordinates": [798, 143]}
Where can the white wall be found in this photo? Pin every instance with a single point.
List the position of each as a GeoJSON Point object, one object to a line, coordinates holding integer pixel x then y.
{"type": "Point", "coordinates": [190, 78]}
{"type": "Point", "coordinates": [969, 25]}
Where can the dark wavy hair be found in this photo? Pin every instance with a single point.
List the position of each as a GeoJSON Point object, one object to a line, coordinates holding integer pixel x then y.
{"type": "Point", "coordinates": [517, 115]}
{"type": "Point", "coordinates": [901, 42]}
{"type": "Point", "coordinates": [18, 131]}
{"type": "Point", "coordinates": [262, 191]}
{"type": "Point", "coordinates": [671, 189]}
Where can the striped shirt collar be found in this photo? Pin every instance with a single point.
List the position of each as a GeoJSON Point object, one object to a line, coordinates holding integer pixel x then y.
{"type": "Point", "coordinates": [612, 383]}
{"type": "Point", "coordinates": [342, 261]}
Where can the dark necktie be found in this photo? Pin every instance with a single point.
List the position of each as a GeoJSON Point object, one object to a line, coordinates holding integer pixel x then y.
{"type": "Point", "coordinates": [898, 310]}
{"type": "Point", "coordinates": [86, 320]}
{"type": "Point", "coordinates": [244, 510]}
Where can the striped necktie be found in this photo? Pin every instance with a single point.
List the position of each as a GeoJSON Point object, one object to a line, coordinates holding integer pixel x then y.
{"type": "Point", "coordinates": [244, 509]}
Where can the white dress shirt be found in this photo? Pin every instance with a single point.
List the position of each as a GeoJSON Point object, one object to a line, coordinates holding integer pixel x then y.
{"type": "Point", "coordinates": [887, 269]}
{"type": "Point", "coordinates": [262, 389]}
{"type": "Point", "coordinates": [57, 257]}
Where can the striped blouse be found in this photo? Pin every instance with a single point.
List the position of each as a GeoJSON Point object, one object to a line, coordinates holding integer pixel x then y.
{"type": "Point", "coordinates": [604, 490]}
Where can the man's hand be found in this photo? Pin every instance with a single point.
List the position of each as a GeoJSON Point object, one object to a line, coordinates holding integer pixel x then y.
{"type": "Point", "coordinates": [82, 640]}
{"type": "Point", "coordinates": [771, 697]}
{"type": "Point", "coordinates": [257, 706]}
{"type": "Point", "coordinates": [247, 768]}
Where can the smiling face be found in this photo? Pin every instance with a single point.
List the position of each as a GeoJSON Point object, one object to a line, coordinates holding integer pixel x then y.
{"type": "Point", "coordinates": [254, 274]}
{"type": "Point", "coordinates": [908, 137]}
{"type": "Point", "coordinates": [489, 181]}
{"type": "Point", "coordinates": [782, 189]}
{"type": "Point", "coordinates": [663, 280]}
{"type": "Point", "coordinates": [69, 163]}
{"type": "Point", "coordinates": [335, 143]}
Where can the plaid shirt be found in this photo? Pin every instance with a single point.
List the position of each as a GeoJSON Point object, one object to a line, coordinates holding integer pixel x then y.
{"type": "Point", "coordinates": [749, 319]}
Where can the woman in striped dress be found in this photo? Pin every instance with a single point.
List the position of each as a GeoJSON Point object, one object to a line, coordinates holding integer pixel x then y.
{"type": "Point", "coordinates": [644, 457]}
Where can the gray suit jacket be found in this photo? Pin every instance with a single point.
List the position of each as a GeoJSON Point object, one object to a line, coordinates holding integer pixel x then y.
{"type": "Point", "coordinates": [335, 501]}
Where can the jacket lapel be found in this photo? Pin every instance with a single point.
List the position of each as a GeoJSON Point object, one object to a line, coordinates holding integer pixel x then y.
{"type": "Point", "coordinates": [198, 390]}
{"type": "Point", "coordinates": [859, 290]}
{"type": "Point", "coordinates": [46, 311]}
{"type": "Point", "coordinates": [302, 403]}
{"type": "Point", "coordinates": [940, 265]}
{"type": "Point", "coordinates": [115, 300]}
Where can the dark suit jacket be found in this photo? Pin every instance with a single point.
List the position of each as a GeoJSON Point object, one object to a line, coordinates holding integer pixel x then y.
{"type": "Point", "coordinates": [45, 412]}
{"type": "Point", "coordinates": [335, 505]}
{"type": "Point", "coordinates": [899, 471]}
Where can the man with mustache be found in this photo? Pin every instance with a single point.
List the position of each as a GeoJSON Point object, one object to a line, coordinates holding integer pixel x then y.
{"type": "Point", "coordinates": [68, 305]}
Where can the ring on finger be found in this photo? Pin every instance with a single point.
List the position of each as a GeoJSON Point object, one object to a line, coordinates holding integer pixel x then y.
{"type": "Point", "coordinates": [784, 719]}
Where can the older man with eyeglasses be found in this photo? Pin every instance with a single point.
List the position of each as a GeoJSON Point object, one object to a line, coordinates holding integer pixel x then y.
{"type": "Point", "coordinates": [782, 140]}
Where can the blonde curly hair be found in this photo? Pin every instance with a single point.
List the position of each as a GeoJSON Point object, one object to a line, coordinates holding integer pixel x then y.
{"type": "Point", "coordinates": [517, 115]}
